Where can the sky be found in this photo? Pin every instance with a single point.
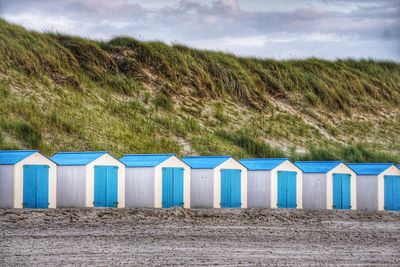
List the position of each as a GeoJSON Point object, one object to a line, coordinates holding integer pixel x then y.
{"type": "Point", "coordinates": [279, 29]}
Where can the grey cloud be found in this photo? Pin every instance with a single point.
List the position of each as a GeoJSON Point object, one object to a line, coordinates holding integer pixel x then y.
{"type": "Point", "coordinates": [216, 22]}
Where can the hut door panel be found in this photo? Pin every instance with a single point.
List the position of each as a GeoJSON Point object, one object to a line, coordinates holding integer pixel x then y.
{"type": "Point", "coordinates": [396, 191]}
{"type": "Point", "coordinates": [291, 190]}
{"type": "Point", "coordinates": [282, 188]}
{"type": "Point", "coordinates": [341, 191]}
{"type": "Point", "coordinates": [230, 189]}
{"type": "Point", "coordinates": [337, 198]}
{"type": "Point", "coordinates": [29, 187]}
{"type": "Point", "coordinates": [178, 187]}
{"type": "Point", "coordinates": [42, 189]}
{"type": "Point", "coordinates": [167, 187]}
{"type": "Point", "coordinates": [100, 184]}
{"type": "Point", "coordinates": [388, 191]}
{"type": "Point", "coordinates": [346, 199]}
{"type": "Point", "coordinates": [235, 189]}
{"type": "Point", "coordinates": [287, 189]}
{"type": "Point", "coordinates": [112, 187]}
{"type": "Point", "coordinates": [225, 189]}
{"type": "Point", "coordinates": [392, 192]}
{"type": "Point", "coordinates": [35, 186]}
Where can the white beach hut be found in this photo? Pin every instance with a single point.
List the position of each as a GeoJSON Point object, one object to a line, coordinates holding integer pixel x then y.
{"type": "Point", "coordinates": [156, 181]}
{"type": "Point", "coordinates": [328, 185]}
{"type": "Point", "coordinates": [273, 183]}
{"type": "Point", "coordinates": [27, 180]}
{"type": "Point", "coordinates": [217, 182]}
{"type": "Point", "coordinates": [89, 179]}
{"type": "Point", "coordinates": [378, 186]}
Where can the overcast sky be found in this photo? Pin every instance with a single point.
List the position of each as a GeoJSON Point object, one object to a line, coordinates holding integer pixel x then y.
{"type": "Point", "coordinates": [263, 28]}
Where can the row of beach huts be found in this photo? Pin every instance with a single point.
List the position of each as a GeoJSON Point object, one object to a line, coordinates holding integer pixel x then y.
{"type": "Point", "coordinates": [28, 179]}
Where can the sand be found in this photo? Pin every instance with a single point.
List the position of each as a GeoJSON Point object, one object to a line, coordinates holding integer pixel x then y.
{"type": "Point", "coordinates": [106, 237]}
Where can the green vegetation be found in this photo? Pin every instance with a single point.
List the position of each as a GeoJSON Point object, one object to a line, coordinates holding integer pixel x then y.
{"type": "Point", "coordinates": [61, 92]}
{"type": "Point", "coordinates": [163, 101]}
{"type": "Point", "coordinates": [349, 153]}
{"type": "Point", "coordinates": [253, 147]}
{"type": "Point", "coordinates": [26, 133]}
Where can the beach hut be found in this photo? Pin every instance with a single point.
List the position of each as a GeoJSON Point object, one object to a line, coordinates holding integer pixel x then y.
{"type": "Point", "coordinates": [378, 186]}
{"type": "Point", "coordinates": [273, 183]}
{"type": "Point", "coordinates": [156, 181]}
{"type": "Point", "coordinates": [89, 179]}
{"type": "Point", "coordinates": [27, 180]}
{"type": "Point", "coordinates": [328, 185]}
{"type": "Point", "coordinates": [217, 182]}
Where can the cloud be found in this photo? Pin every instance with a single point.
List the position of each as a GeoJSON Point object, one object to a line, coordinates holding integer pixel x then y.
{"type": "Point", "coordinates": [225, 25]}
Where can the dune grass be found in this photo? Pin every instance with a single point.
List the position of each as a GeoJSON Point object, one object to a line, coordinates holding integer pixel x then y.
{"type": "Point", "coordinates": [61, 92]}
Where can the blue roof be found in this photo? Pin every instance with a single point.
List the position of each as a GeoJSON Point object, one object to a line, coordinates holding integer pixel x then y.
{"type": "Point", "coordinates": [11, 157]}
{"type": "Point", "coordinates": [76, 158]}
{"type": "Point", "coordinates": [262, 164]}
{"type": "Point", "coordinates": [144, 160]}
{"type": "Point", "coordinates": [205, 162]}
{"type": "Point", "coordinates": [369, 168]}
{"type": "Point", "coordinates": [317, 166]}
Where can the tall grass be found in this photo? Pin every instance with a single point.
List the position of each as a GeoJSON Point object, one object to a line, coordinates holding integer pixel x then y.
{"type": "Point", "coordinates": [31, 137]}
{"type": "Point", "coordinates": [163, 101]}
{"type": "Point", "coordinates": [348, 153]}
{"type": "Point", "coordinates": [252, 147]}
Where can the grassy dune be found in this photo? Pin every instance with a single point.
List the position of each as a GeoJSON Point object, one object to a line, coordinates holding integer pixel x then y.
{"type": "Point", "coordinates": [61, 92]}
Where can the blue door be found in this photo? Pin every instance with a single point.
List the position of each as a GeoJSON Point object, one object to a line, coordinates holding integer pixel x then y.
{"type": "Point", "coordinates": [100, 184]}
{"type": "Point", "coordinates": [112, 187]}
{"type": "Point", "coordinates": [396, 192]}
{"type": "Point", "coordinates": [177, 200]}
{"type": "Point", "coordinates": [105, 186]}
{"type": "Point", "coordinates": [291, 190]}
{"type": "Point", "coordinates": [172, 187]}
{"type": "Point", "coordinates": [225, 189]}
{"type": "Point", "coordinates": [167, 187]}
{"type": "Point", "coordinates": [287, 189]}
{"type": "Point", "coordinates": [392, 192]}
{"type": "Point", "coordinates": [282, 189]}
{"type": "Point", "coordinates": [341, 191]}
{"type": "Point", "coordinates": [230, 188]}
{"type": "Point", "coordinates": [42, 187]}
{"type": "Point", "coordinates": [346, 192]}
{"type": "Point", "coordinates": [29, 198]}
{"type": "Point", "coordinates": [36, 186]}
{"type": "Point", "coordinates": [236, 201]}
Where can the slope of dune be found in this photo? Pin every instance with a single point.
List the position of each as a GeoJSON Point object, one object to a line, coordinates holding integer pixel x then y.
{"type": "Point", "coordinates": [62, 92]}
